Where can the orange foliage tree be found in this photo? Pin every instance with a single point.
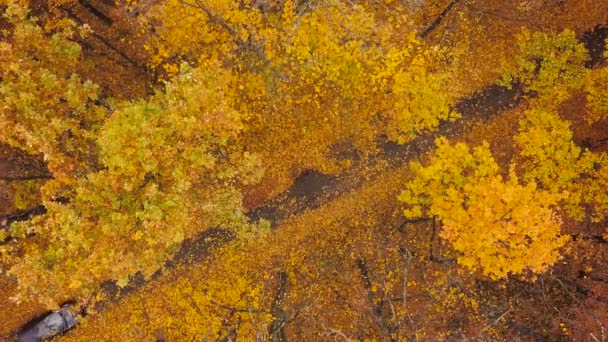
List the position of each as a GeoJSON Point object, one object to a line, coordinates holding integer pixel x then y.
{"type": "Point", "coordinates": [499, 227]}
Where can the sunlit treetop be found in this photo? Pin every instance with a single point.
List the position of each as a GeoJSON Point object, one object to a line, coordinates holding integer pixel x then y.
{"type": "Point", "coordinates": [452, 166]}
{"type": "Point", "coordinates": [553, 68]}
{"type": "Point", "coordinates": [500, 227]}
{"type": "Point", "coordinates": [545, 141]}
{"type": "Point", "coordinates": [548, 156]}
{"type": "Point", "coordinates": [548, 64]}
{"type": "Point", "coordinates": [596, 95]}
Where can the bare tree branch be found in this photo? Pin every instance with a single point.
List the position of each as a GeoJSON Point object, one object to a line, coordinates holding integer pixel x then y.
{"type": "Point", "coordinates": [439, 19]}
{"type": "Point", "coordinates": [385, 326]}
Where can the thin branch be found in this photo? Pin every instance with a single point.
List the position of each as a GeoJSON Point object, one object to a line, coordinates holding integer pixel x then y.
{"type": "Point", "coordinates": [495, 14]}
{"type": "Point", "coordinates": [104, 41]}
{"type": "Point", "coordinates": [276, 330]}
{"type": "Point", "coordinates": [237, 309]}
{"type": "Point", "coordinates": [591, 238]}
{"type": "Point", "coordinates": [216, 19]}
{"type": "Point", "coordinates": [405, 222]}
{"type": "Point", "coordinates": [26, 178]}
{"type": "Point", "coordinates": [439, 19]}
{"type": "Point", "coordinates": [106, 20]}
{"type": "Point", "coordinates": [577, 300]}
{"type": "Point", "coordinates": [407, 256]}
{"type": "Point", "coordinates": [333, 331]}
{"type": "Point", "coordinates": [431, 255]}
{"type": "Point", "coordinates": [386, 327]}
{"type": "Point", "coordinates": [442, 260]}
{"type": "Point", "coordinates": [7, 220]}
{"type": "Point", "coordinates": [494, 322]}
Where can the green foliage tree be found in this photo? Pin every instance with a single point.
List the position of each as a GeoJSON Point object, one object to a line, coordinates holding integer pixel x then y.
{"type": "Point", "coordinates": [133, 184]}
{"type": "Point", "coordinates": [171, 169]}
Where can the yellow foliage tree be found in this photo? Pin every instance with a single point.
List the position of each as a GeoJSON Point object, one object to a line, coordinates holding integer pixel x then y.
{"type": "Point", "coordinates": [499, 227]}
{"type": "Point", "coordinates": [45, 107]}
{"type": "Point", "coordinates": [549, 65]}
{"type": "Point", "coordinates": [549, 157]}
{"type": "Point", "coordinates": [597, 97]}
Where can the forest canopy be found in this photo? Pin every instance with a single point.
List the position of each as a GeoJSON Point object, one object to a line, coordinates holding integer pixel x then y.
{"type": "Point", "coordinates": [305, 170]}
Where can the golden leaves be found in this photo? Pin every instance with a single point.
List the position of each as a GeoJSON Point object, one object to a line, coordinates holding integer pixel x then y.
{"type": "Point", "coordinates": [500, 227]}
{"type": "Point", "coordinates": [597, 97]}
{"type": "Point", "coordinates": [549, 157]}
{"type": "Point", "coordinates": [506, 228]}
{"type": "Point", "coordinates": [46, 108]}
{"type": "Point", "coordinates": [549, 64]}
{"type": "Point", "coordinates": [170, 168]}
{"type": "Point", "coordinates": [327, 75]}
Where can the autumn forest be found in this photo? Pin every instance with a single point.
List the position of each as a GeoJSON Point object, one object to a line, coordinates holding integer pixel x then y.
{"type": "Point", "coordinates": [304, 170]}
